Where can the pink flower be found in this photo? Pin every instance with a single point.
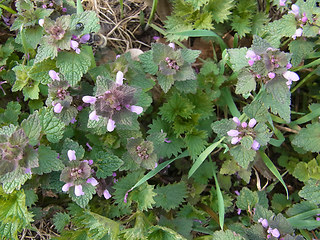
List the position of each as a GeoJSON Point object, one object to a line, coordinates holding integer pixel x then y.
{"type": "Point", "coordinates": [235, 140]}
{"type": "Point", "coordinates": [264, 222]}
{"type": "Point", "coordinates": [282, 2]}
{"type": "Point", "coordinates": [72, 155]}
{"type": "Point", "coordinates": [85, 38]}
{"type": "Point", "coordinates": [271, 75]}
{"type": "Point", "coordinates": [93, 116]}
{"type": "Point", "coordinates": [294, 10]}
{"type": "Point", "coordinates": [233, 133]}
{"type": "Point", "coordinates": [136, 109]}
{"type": "Point", "coordinates": [289, 65]}
{"type": "Point", "coordinates": [54, 75]}
{"type": "Point", "coordinates": [106, 194]}
{"type": "Point", "coordinates": [236, 120]}
{"type": "Point", "coordinates": [64, 9]}
{"type": "Point", "coordinates": [78, 190]}
{"type": "Point", "coordinates": [66, 187]}
{"type": "Point", "coordinates": [275, 232]}
{"type": "Point", "coordinates": [111, 125]}
{"type": "Point", "coordinates": [28, 171]}
{"type": "Point", "coordinates": [41, 22]}
{"type": "Point", "coordinates": [172, 45]}
{"type": "Point", "coordinates": [298, 33]}
{"type": "Point", "coordinates": [57, 108]}
{"type": "Point", "coordinates": [74, 45]}
{"type": "Point", "coordinates": [92, 181]}
{"type": "Point", "coordinates": [304, 19]}
{"type": "Point", "coordinates": [119, 78]}
{"type": "Point", "coordinates": [252, 122]}
{"type": "Point", "coordinates": [255, 145]}
{"type": "Point", "coordinates": [244, 124]}
{"type": "Point", "coordinates": [291, 77]}
{"type": "Point", "coordinates": [89, 99]}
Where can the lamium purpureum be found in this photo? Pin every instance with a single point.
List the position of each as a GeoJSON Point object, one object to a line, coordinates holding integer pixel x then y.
{"type": "Point", "coordinates": [77, 175]}
{"type": "Point", "coordinates": [113, 104]}
{"type": "Point", "coordinates": [244, 129]}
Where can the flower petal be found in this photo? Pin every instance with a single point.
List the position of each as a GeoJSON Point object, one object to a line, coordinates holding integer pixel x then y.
{"type": "Point", "coordinates": [252, 122]}
{"type": "Point", "coordinates": [41, 22]}
{"type": "Point", "coordinates": [78, 190]}
{"type": "Point", "coordinates": [74, 44]}
{"type": "Point", "coordinates": [119, 78]}
{"type": "Point", "coordinates": [291, 76]}
{"type": "Point", "coordinates": [236, 120]}
{"type": "Point", "coordinates": [92, 181]}
{"type": "Point", "coordinates": [72, 155]}
{"type": "Point", "coordinates": [66, 187]}
{"type": "Point", "coordinates": [54, 75]}
{"type": "Point", "coordinates": [89, 99]}
{"type": "Point", "coordinates": [136, 109]}
{"type": "Point", "coordinates": [111, 125]}
{"type": "Point", "coordinates": [93, 116]}
{"type": "Point", "coordinates": [233, 133]}
{"type": "Point", "coordinates": [255, 145]}
{"type": "Point", "coordinates": [85, 38]}
{"type": "Point", "coordinates": [106, 194]}
{"type": "Point", "coordinates": [57, 108]}
{"type": "Point", "coordinates": [235, 140]}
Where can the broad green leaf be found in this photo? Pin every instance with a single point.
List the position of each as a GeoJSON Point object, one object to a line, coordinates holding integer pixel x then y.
{"type": "Point", "coordinates": [299, 49]}
{"type": "Point", "coordinates": [242, 155]}
{"type": "Point", "coordinates": [31, 91]}
{"type": "Point", "coordinates": [144, 196]}
{"type": "Point", "coordinates": [32, 128]}
{"type": "Point", "coordinates": [60, 220]}
{"type": "Point", "coordinates": [11, 114]}
{"type": "Point", "coordinates": [51, 126]}
{"type": "Point", "coordinates": [189, 55]}
{"type": "Point", "coordinates": [238, 58]}
{"type": "Point", "coordinates": [258, 111]}
{"type": "Point", "coordinates": [147, 63]}
{"type": "Point", "coordinates": [170, 196]}
{"type": "Point", "coordinates": [73, 65]}
{"type": "Point", "coordinates": [311, 191]}
{"type": "Point", "coordinates": [247, 199]}
{"type": "Point", "coordinates": [163, 233]}
{"type": "Point", "coordinates": [301, 172]}
{"type": "Point", "coordinates": [246, 82]}
{"type": "Point", "coordinates": [46, 51]}
{"type": "Point", "coordinates": [89, 19]}
{"type": "Point", "coordinates": [48, 161]}
{"type": "Point", "coordinates": [22, 77]}
{"type": "Point", "coordinates": [165, 82]}
{"type": "Point", "coordinates": [308, 138]}
{"type": "Point", "coordinates": [228, 234]}
{"type": "Point", "coordinates": [14, 180]}
{"type": "Point", "coordinates": [40, 71]}
{"type": "Point", "coordinates": [83, 200]}
{"type": "Point", "coordinates": [8, 130]}
{"type": "Point", "coordinates": [106, 163]}
{"type": "Point", "coordinates": [31, 197]}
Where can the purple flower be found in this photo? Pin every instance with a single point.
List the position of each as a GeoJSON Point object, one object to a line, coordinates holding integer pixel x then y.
{"type": "Point", "coordinates": [271, 75]}
{"type": "Point", "coordinates": [289, 65]}
{"type": "Point", "coordinates": [93, 116]}
{"type": "Point", "coordinates": [252, 122]}
{"type": "Point", "coordinates": [136, 109]}
{"type": "Point", "coordinates": [236, 120]}
{"type": "Point", "coordinates": [294, 10]}
{"type": "Point", "coordinates": [233, 133]}
{"type": "Point", "coordinates": [239, 211]}
{"type": "Point", "coordinates": [282, 2]}
{"type": "Point", "coordinates": [88, 145]}
{"type": "Point", "coordinates": [92, 181]}
{"type": "Point", "coordinates": [64, 9]}
{"type": "Point", "coordinates": [304, 19]}
{"type": "Point", "coordinates": [89, 99]}
{"type": "Point", "coordinates": [28, 171]}
{"type": "Point", "coordinates": [85, 38]}
{"type": "Point", "coordinates": [106, 194]}
{"type": "Point", "coordinates": [290, 76]}
{"type": "Point", "coordinates": [155, 165]}
{"type": "Point", "coordinates": [318, 218]}
{"type": "Point", "coordinates": [275, 232]}
{"type": "Point", "coordinates": [119, 78]}
{"type": "Point", "coordinates": [41, 22]}
{"type": "Point", "coordinates": [264, 222]}
{"type": "Point", "coordinates": [244, 124]}
{"type": "Point", "coordinates": [298, 33]}
{"type": "Point", "coordinates": [73, 120]}
{"type": "Point", "coordinates": [237, 192]}
{"type": "Point", "coordinates": [167, 140]}
{"type": "Point", "coordinates": [90, 162]}
{"type": "Point", "coordinates": [78, 190]}
{"type": "Point", "coordinates": [66, 187]}
{"type": "Point", "coordinates": [255, 145]}
{"type": "Point", "coordinates": [172, 45]}
{"type": "Point", "coordinates": [54, 75]}
{"type": "Point", "coordinates": [74, 45]}
{"type": "Point", "coordinates": [156, 38]}
{"type": "Point", "coordinates": [72, 155]}
{"type": "Point", "coordinates": [111, 125]}
{"type": "Point", "coordinates": [235, 140]}
{"type": "Point", "coordinates": [57, 107]}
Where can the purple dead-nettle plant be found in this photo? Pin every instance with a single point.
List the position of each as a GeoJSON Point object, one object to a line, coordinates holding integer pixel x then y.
{"type": "Point", "coordinates": [114, 104]}
{"type": "Point", "coordinates": [58, 95]}
{"type": "Point", "coordinates": [244, 129]}
{"type": "Point", "coordinates": [77, 175]}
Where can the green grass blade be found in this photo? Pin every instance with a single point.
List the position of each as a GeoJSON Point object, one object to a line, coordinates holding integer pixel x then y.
{"type": "Point", "coordinates": [220, 200]}
{"type": "Point", "coordinates": [203, 156]}
{"type": "Point", "coordinates": [79, 7]}
{"type": "Point", "coordinates": [306, 118]}
{"type": "Point", "coordinates": [157, 169]}
{"type": "Point", "coordinates": [226, 94]}
{"type": "Point", "coordinates": [153, 11]}
{"type": "Point", "coordinates": [273, 169]}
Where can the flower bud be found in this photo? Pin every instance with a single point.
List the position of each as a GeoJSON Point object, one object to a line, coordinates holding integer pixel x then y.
{"type": "Point", "coordinates": [66, 187]}
{"type": "Point", "coordinates": [233, 133]}
{"type": "Point", "coordinates": [78, 190]}
{"type": "Point", "coordinates": [72, 155]}
{"type": "Point", "coordinates": [252, 122]}
{"type": "Point", "coordinates": [255, 145]}
{"type": "Point", "coordinates": [119, 78]}
{"type": "Point", "coordinates": [89, 99]}
{"type": "Point", "coordinates": [111, 125]}
{"type": "Point", "coordinates": [92, 181]}
{"type": "Point", "coordinates": [106, 194]}
{"type": "Point", "coordinates": [57, 108]}
{"type": "Point", "coordinates": [54, 75]}
{"type": "Point", "coordinates": [236, 120]}
{"type": "Point", "coordinates": [136, 109]}
{"type": "Point", "coordinates": [93, 116]}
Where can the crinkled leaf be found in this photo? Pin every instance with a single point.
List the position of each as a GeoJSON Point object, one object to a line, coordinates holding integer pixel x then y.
{"type": "Point", "coordinates": [147, 63]}
{"type": "Point", "coordinates": [14, 180]}
{"type": "Point", "coordinates": [308, 138]}
{"type": "Point", "coordinates": [32, 128]}
{"type": "Point", "coordinates": [89, 19]}
{"type": "Point", "coordinates": [299, 49]}
{"type": "Point", "coordinates": [48, 161]}
{"type": "Point", "coordinates": [60, 220]}
{"type": "Point", "coordinates": [45, 51]}
{"type": "Point", "coordinates": [165, 82]}
{"type": "Point", "coordinates": [246, 82]}
{"type": "Point", "coordinates": [40, 71]}
{"type": "Point", "coordinates": [258, 111]}
{"type": "Point", "coordinates": [223, 126]}
{"type": "Point", "coordinates": [238, 58]}
{"type": "Point", "coordinates": [51, 126]}
{"type": "Point", "coordinates": [228, 234]}
{"type": "Point", "coordinates": [242, 155]}
{"type": "Point", "coordinates": [83, 200]}
{"type": "Point", "coordinates": [311, 191]}
{"type": "Point", "coordinates": [11, 114]}
{"type": "Point", "coordinates": [170, 196]}
{"type": "Point", "coordinates": [31, 197]}
{"type": "Point", "coordinates": [161, 233]}
{"type": "Point", "coordinates": [144, 196]}
{"type": "Point", "coordinates": [247, 199]}
{"type": "Point", "coordinates": [106, 163]}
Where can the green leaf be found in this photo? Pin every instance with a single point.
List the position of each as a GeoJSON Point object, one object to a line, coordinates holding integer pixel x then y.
{"type": "Point", "coordinates": [223, 126]}
{"type": "Point", "coordinates": [40, 71]}
{"type": "Point", "coordinates": [48, 161]}
{"type": "Point", "coordinates": [279, 202]}
{"type": "Point", "coordinates": [228, 234]}
{"type": "Point", "coordinates": [51, 126]}
{"type": "Point", "coordinates": [8, 130]}
{"type": "Point", "coordinates": [89, 19]}
{"type": "Point", "coordinates": [238, 58]}
{"type": "Point", "coordinates": [247, 199]}
{"type": "Point", "coordinates": [170, 196]}
{"type": "Point", "coordinates": [242, 155]}
{"type": "Point", "coordinates": [14, 180]}
{"type": "Point", "coordinates": [259, 45]}
{"type": "Point", "coordinates": [31, 91]}
{"type": "Point", "coordinates": [73, 65]}
{"type": "Point", "coordinates": [46, 51]}
{"type": "Point", "coordinates": [246, 82]}
{"type": "Point", "coordinates": [32, 37]}
{"type": "Point", "coordinates": [22, 77]}
{"type": "Point", "coordinates": [106, 163]}
{"type": "Point", "coordinates": [299, 49]}
{"type": "Point", "coordinates": [308, 138]}
{"type": "Point", "coordinates": [258, 111]}
{"type": "Point", "coordinates": [32, 128]}
{"type": "Point", "coordinates": [163, 233]}
{"type": "Point", "coordinates": [196, 142]}
{"type": "Point", "coordinates": [11, 114]}
{"type": "Point", "coordinates": [31, 197]}
{"type": "Point", "coordinates": [60, 220]}
{"type": "Point", "coordinates": [165, 82]}
{"type": "Point", "coordinates": [311, 191]}
{"type": "Point", "coordinates": [83, 200]}
{"type": "Point", "coordinates": [220, 9]}
{"type": "Point", "coordinates": [241, 25]}
{"type": "Point", "coordinates": [147, 63]}
{"type": "Point", "coordinates": [279, 99]}
{"type": "Point", "coordinates": [189, 56]}
{"type": "Point", "coordinates": [144, 196]}
{"type": "Point", "coordinates": [301, 172]}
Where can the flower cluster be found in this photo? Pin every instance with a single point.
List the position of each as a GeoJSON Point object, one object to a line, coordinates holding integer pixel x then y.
{"type": "Point", "coordinates": [59, 96]}
{"type": "Point", "coordinates": [117, 101]}
{"type": "Point", "coordinates": [244, 129]}
{"type": "Point", "coordinates": [275, 64]}
{"type": "Point", "coordinates": [77, 174]}
{"type": "Point", "coordinates": [271, 231]}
